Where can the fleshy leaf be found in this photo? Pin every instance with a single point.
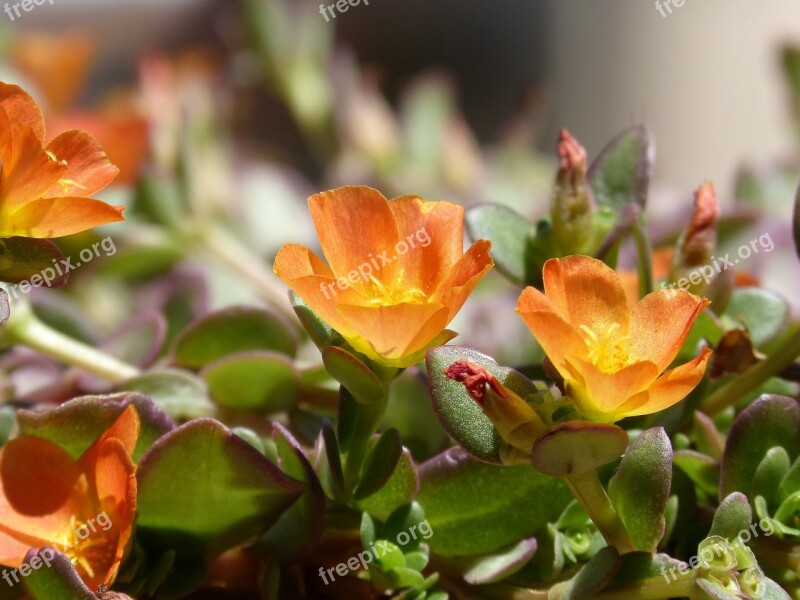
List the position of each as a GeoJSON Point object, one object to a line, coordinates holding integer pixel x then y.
{"type": "Point", "coordinates": [765, 313]}
{"type": "Point", "coordinates": [76, 424]}
{"type": "Point", "coordinates": [256, 381]}
{"type": "Point", "coordinates": [194, 471]}
{"type": "Point", "coordinates": [594, 576]}
{"type": "Point", "coordinates": [577, 447]}
{"type": "Point", "coordinates": [55, 578]}
{"type": "Point", "coordinates": [733, 515]}
{"type": "Point", "coordinates": [30, 259]}
{"type": "Point", "coordinates": [353, 374]}
{"type": "Point", "coordinates": [233, 330]}
{"type": "Point", "coordinates": [621, 173]}
{"type": "Point", "coordinates": [500, 565]}
{"type": "Point", "coordinates": [380, 464]}
{"type": "Point", "coordinates": [180, 394]}
{"type": "Point", "coordinates": [640, 488]}
{"type": "Point", "coordinates": [768, 422]}
{"type": "Point", "coordinates": [399, 490]}
{"type": "Point", "coordinates": [476, 508]}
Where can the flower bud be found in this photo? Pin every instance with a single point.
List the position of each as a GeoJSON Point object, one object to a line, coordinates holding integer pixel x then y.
{"type": "Point", "coordinates": [515, 420]}
{"type": "Point", "coordinates": [571, 208]}
{"type": "Point", "coordinates": [716, 554]}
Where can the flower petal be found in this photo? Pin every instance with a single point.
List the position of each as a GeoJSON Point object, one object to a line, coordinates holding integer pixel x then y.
{"type": "Point", "coordinates": [57, 217]}
{"type": "Point", "coordinates": [22, 109]}
{"type": "Point", "coordinates": [660, 323]}
{"type": "Point", "coordinates": [394, 331]}
{"type": "Point", "coordinates": [461, 278]}
{"type": "Point", "coordinates": [557, 338]}
{"type": "Point", "coordinates": [434, 235]}
{"type": "Point", "coordinates": [28, 173]}
{"type": "Point", "coordinates": [672, 387]}
{"type": "Point", "coordinates": [312, 280]}
{"type": "Point", "coordinates": [586, 292]}
{"type": "Point", "coordinates": [88, 168]}
{"type": "Point", "coordinates": [125, 430]}
{"type": "Point", "coordinates": [41, 489]}
{"type": "Point", "coordinates": [600, 393]}
{"type": "Point", "coordinates": [355, 223]}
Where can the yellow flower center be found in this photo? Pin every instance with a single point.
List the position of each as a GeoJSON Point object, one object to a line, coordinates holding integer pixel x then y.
{"type": "Point", "coordinates": [88, 548]}
{"type": "Point", "coordinates": [608, 350]}
{"type": "Point", "coordinates": [389, 295]}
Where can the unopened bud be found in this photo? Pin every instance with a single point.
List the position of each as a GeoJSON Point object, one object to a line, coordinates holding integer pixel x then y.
{"type": "Point", "coordinates": [571, 208]}
{"type": "Point", "coordinates": [517, 423]}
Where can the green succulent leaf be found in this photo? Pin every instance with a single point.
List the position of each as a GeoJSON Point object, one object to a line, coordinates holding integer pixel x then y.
{"type": "Point", "coordinates": [764, 313]}
{"type": "Point", "coordinates": [577, 447]}
{"type": "Point", "coordinates": [54, 577]}
{"type": "Point", "coordinates": [353, 374]}
{"type": "Point", "coordinates": [380, 464]}
{"type": "Point", "coordinates": [499, 565]}
{"type": "Point", "coordinates": [399, 490]}
{"type": "Point", "coordinates": [621, 173]}
{"type": "Point", "coordinates": [180, 394]}
{"type": "Point", "coordinates": [28, 260]}
{"type": "Point", "coordinates": [732, 516]}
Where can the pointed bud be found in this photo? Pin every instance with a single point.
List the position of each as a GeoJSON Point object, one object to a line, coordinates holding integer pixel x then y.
{"type": "Point", "coordinates": [517, 423]}
{"type": "Point", "coordinates": [571, 208]}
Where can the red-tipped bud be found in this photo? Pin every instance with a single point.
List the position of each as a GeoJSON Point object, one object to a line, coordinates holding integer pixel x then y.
{"type": "Point", "coordinates": [475, 379]}
{"type": "Point", "coordinates": [571, 208]}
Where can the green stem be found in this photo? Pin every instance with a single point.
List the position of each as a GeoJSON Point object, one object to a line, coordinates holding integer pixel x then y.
{"type": "Point", "coordinates": [733, 391]}
{"type": "Point", "coordinates": [238, 258]}
{"type": "Point", "coordinates": [592, 496]}
{"type": "Point", "coordinates": [644, 252]}
{"type": "Point", "coordinates": [25, 328]}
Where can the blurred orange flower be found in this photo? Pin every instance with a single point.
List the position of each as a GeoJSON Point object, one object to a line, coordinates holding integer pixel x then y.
{"type": "Point", "coordinates": [83, 508]}
{"type": "Point", "coordinates": [398, 273]}
{"type": "Point", "coordinates": [611, 356]}
{"type": "Point", "coordinates": [44, 190]}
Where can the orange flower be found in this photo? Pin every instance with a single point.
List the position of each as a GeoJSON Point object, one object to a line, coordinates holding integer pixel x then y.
{"type": "Point", "coordinates": [44, 190]}
{"type": "Point", "coordinates": [610, 356]}
{"type": "Point", "coordinates": [83, 508]}
{"type": "Point", "coordinates": [398, 273]}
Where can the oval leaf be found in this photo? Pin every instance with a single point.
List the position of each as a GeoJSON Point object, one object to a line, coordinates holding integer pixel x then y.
{"type": "Point", "coordinates": [353, 374]}
{"type": "Point", "coordinates": [577, 447]}
{"type": "Point", "coordinates": [380, 464]}
{"type": "Point", "coordinates": [621, 173]}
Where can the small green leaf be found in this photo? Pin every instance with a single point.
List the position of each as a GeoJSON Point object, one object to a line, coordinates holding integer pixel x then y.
{"type": "Point", "coordinates": [405, 527]}
{"type": "Point", "coordinates": [333, 459]}
{"type": "Point", "coordinates": [353, 374]}
{"type": "Point", "coordinates": [380, 464]}
{"type": "Point", "coordinates": [769, 474]}
{"type": "Point", "coordinates": [399, 490]}
{"type": "Point", "coordinates": [640, 488]}
{"type": "Point", "coordinates": [178, 393]}
{"type": "Point", "coordinates": [701, 469]}
{"type": "Point", "coordinates": [230, 331]}
{"type": "Point", "coordinates": [318, 330]}
{"type": "Point", "coordinates": [764, 313]}
{"type": "Point", "coordinates": [577, 447]}
{"type": "Point", "coordinates": [732, 516]}
{"type": "Point", "coordinates": [768, 422]}
{"type": "Point", "coordinates": [593, 577]}
{"type": "Point", "coordinates": [189, 474]}
{"type": "Point", "coordinates": [621, 173]}
{"type": "Point", "coordinates": [256, 381]}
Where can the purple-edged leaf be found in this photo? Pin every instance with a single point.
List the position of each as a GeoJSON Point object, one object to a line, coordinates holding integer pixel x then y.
{"type": "Point", "coordinates": [768, 422]}
{"type": "Point", "coordinates": [458, 413]}
{"type": "Point", "coordinates": [498, 566]}
{"type": "Point", "coordinates": [36, 261]}
{"type": "Point", "coordinates": [328, 461]}
{"type": "Point", "coordinates": [621, 172]}
{"type": "Point", "coordinates": [475, 508]}
{"type": "Point", "coordinates": [203, 490]}
{"type": "Point", "coordinates": [640, 488]}
{"type": "Point", "coordinates": [299, 529]}
{"type": "Point", "coordinates": [399, 490]}
{"type": "Point", "coordinates": [181, 394]}
{"type": "Point", "coordinates": [256, 381]}
{"type": "Point", "coordinates": [230, 331]}
{"type": "Point", "coordinates": [76, 424]}
{"type": "Point", "coordinates": [380, 464]}
{"type": "Point", "coordinates": [733, 515]}
{"type": "Point", "coordinates": [53, 577]}
{"type": "Point", "coordinates": [577, 447]}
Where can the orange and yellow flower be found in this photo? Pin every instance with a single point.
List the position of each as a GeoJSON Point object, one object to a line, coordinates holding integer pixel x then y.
{"type": "Point", "coordinates": [83, 508]}
{"type": "Point", "coordinates": [611, 356]}
{"type": "Point", "coordinates": [45, 189]}
{"type": "Point", "coordinates": [398, 273]}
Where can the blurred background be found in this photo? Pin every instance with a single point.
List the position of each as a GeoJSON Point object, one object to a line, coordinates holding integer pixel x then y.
{"type": "Point", "coordinates": [255, 104]}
